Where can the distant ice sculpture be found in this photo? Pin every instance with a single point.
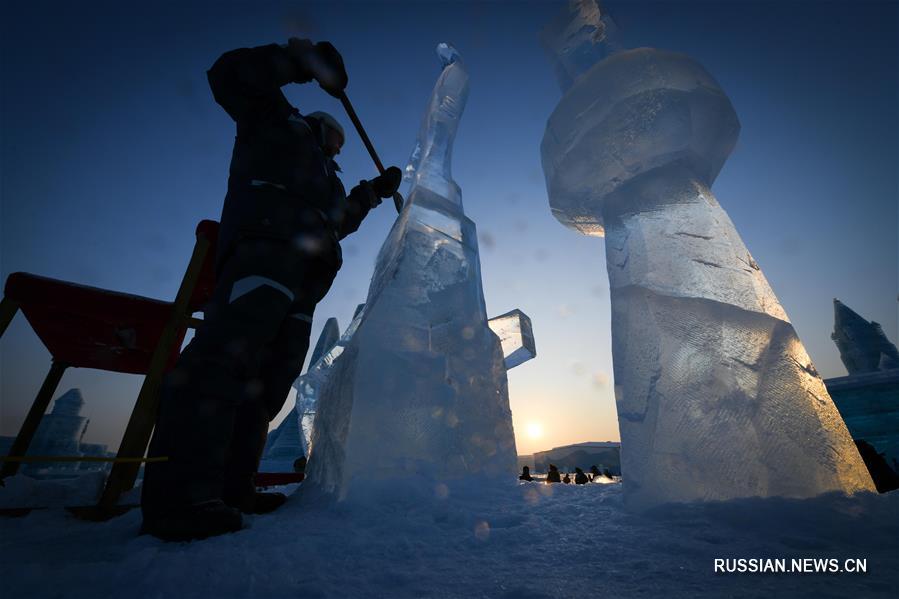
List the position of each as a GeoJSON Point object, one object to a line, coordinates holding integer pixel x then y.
{"type": "Point", "coordinates": [863, 345]}
{"type": "Point", "coordinates": [286, 443]}
{"type": "Point", "coordinates": [291, 439]}
{"type": "Point", "coordinates": [328, 338]}
{"type": "Point", "coordinates": [419, 393]}
{"type": "Point", "coordinates": [515, 336]}
{"type": "Point", "coordinates": [717, 397]}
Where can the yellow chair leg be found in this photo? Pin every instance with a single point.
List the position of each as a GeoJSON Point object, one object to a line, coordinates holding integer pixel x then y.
{"type": "Point", "coordinates": [33, 419]}
{"type": "Point", "coordinates": [143, 417]}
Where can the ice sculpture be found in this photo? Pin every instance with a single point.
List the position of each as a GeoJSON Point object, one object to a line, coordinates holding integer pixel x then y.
{"type": "Point", "coordinates": [60, 432]}
{"type": "Point", "coordinates": [419, 393]}
{"type": "Point", "coordinates": [326, 340]}
{"type": "Point", "coordinates": [717, 397]}
{"type": "Point", "coordinates": [515, 336]}
{"type": "Point", "coordinates": [291, 439]}
{"type": "Point", "coordinates": [863, 345]}
{"type": "Point", "coordinates": [286, 443]}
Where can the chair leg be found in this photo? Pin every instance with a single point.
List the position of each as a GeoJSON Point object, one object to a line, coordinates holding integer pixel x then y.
{"type": "Point", "coordinates": [8, 309]}
{"type": "Point", "coordinates": [143, 417]}
{"type": "Point", "coordinates": [33, 419]}
{"type": "Point", "coordinates": [137, 436]}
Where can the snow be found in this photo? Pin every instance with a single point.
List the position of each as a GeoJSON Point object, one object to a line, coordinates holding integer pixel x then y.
{"type": "Point", "coordinates": [524, 541]}
{"type": "Point", "coordinates": [22, 490]}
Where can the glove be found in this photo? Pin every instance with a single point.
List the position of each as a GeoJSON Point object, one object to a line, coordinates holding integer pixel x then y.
{"type": "Point", "coordinates": [385, 185]}
{"type": "Point", "coordinates": [322, 61]}
{"type": "Point", "coordinates": [373, 200]}
{"type": "Point", "coordinates": [333, 77]}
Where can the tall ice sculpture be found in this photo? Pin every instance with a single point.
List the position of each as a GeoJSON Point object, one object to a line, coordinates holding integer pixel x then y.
{"type": "Point", "coordinates": [717, 398]}
{"type": "Point", "coordinates": [419, 392]}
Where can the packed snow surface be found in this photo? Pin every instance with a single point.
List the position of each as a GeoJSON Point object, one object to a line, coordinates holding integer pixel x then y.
{"type": "Point", "coordinates": [524, 541]}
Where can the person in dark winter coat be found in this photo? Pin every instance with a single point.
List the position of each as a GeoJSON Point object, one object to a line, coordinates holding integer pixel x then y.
{"type": "Point", "coordinates": [566, 479]}
{"type": "Point", "coordinates": [278, 252]}
{"type": "Point", "coordinates": [553, 475]}
{"type": "Point", "coordinates": [579, 477]}
{"type": "Point", "coordinates": [525, 474]}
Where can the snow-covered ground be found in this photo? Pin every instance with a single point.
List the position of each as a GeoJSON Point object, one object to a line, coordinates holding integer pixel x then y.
{"type": "Point", "coordinates": [524, 541]}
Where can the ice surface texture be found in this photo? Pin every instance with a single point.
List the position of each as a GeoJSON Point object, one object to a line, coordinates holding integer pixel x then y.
{"type": "Point", "coordinates": [419, 392]}
{"type": "Point", "coordinates": [634, 111]}
{"type": "Point", "coordinates": [516, 337]}
{"type": "Point", "coordinates": [716, 395]}
{"type": "Point", "coordinates": [578, 38]}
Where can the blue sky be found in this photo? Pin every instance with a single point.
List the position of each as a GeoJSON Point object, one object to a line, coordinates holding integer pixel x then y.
{"type": "Point", "coordinates": [112, 150]}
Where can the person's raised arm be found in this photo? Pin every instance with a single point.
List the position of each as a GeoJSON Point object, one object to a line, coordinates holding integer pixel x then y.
{"type": "Point", "coordinates": [247, 82]}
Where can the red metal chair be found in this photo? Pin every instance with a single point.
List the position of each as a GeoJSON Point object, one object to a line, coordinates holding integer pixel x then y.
{"type": "Point", "coordinates": [87, 327]}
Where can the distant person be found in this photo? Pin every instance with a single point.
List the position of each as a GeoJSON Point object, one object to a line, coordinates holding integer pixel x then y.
{"type": "Point", "coordinates": [525, 474]}
{"type": "Point", "coordinates": [553, 475]}
{"type": "Point", "coordinates": [579, 477]}
{"type": "Point", "coordinates": [299, 464]}
{"type": "Point", "coordinates": [594, 472]}
{"type": "Point", "coordinates": [606, 473]}
{"type": "Point", "coordinates": [567, 479]}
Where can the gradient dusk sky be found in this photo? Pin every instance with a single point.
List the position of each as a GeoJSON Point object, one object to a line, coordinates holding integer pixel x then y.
{"type": "Point", "coordinates": [113, 150]}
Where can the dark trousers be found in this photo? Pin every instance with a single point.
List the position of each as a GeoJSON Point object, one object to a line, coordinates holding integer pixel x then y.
{"type": "Point", "coordinates": [234, 376]}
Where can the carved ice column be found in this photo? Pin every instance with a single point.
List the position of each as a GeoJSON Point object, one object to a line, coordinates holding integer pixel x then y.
{"type": "Point", "coordinates": [717, 397]}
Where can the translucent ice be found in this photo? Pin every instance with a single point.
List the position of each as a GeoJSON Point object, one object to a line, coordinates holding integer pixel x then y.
{"type": "Point", "coordinates": [429, 165]}
{"type": "Point", "coordinates": [326, 340]}
{"type": "Point", "coordinates": [863, 345]}
{"type": "Point", "coordinates": [308, 385]}
{"type": "Point", "coordinates": [516, 337]}
{"type": "Point", "coordinates": [419, 392]}
{"type": "Point", "coordinates": [286, 442]}
{"type": "Point", "coordinates": [291, 439]}
{"type": "Point", "coordinates": [716, 395]}
{"type": "Point", "coordinates": [578, 38]}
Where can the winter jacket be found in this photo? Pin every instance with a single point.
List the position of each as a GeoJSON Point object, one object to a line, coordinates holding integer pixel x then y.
{"type": "Point", "coordinates": [281, 185]}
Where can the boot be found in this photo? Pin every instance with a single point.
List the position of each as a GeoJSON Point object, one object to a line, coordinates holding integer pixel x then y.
{"type": "Point", "coordinates": [199, 521]}
{"type": "Point", "coordinates": [247, 443]}
{"type": "Point", "coordinates": [247, 499]}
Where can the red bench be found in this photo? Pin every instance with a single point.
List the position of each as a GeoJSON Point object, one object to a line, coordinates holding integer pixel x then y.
{"type": "Point", "coordinates": [87, 327]}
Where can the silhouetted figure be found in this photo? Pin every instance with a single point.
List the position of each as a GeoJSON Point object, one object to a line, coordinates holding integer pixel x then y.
{"type": "Point", "coordinates": [553, 475]}
{"type": "Point", "coordinates": [278, 252]}
{"type": "Point", "coordinates": [299, 464]}
{"type": "Point", "coordinates": [579, 477]}
{"type": "Point", "coordinates": [883, 476]}
{"type": "Point", "coordinates": [594, 472]}
{"type": "Point", "coordinates": [606, 473]}
{"type": "Point", "coordinates": [567, 479]}
{"type": "Point", "coordinates": [525, 474]}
